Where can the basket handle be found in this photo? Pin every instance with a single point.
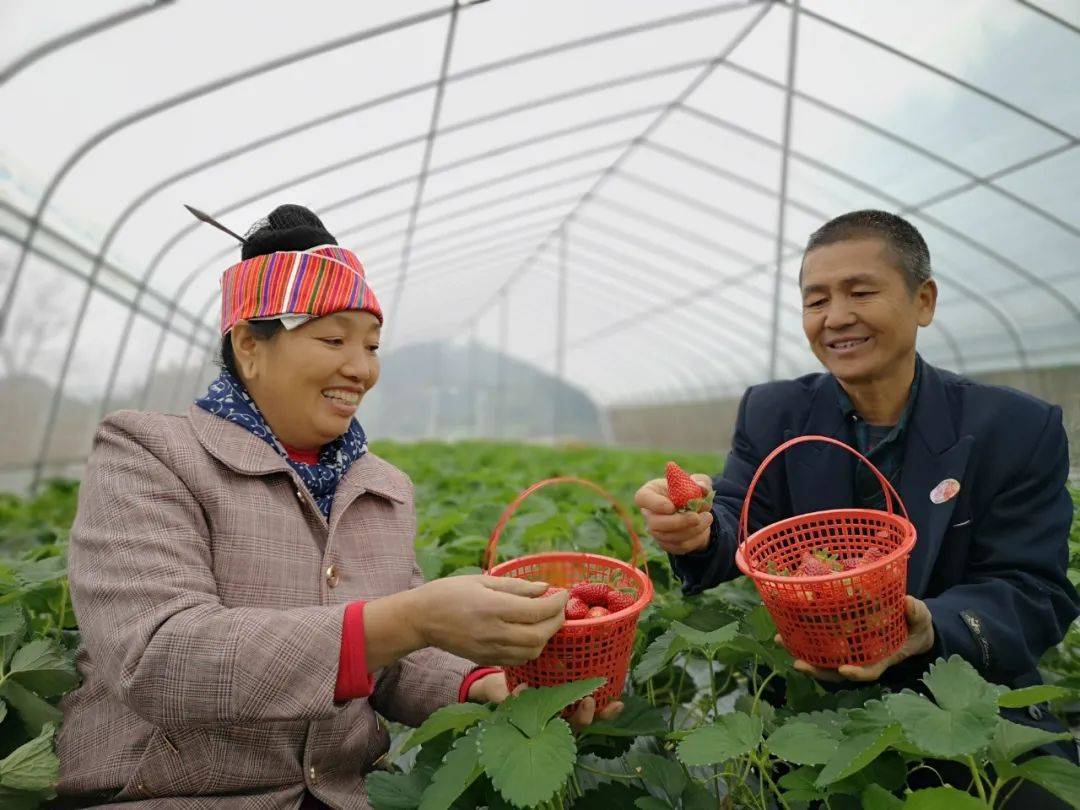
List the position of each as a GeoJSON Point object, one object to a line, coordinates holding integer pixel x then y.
{"type": "Point", "coordinates": [493, 542]}
{"type": "Point", "coordinates": [887, 488]}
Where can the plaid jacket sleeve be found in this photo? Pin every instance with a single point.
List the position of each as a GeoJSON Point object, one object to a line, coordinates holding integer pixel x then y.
{"type": "Point", "coordinates": [144, 592]}
{"type": "Point", "coordinates": [411, 689]}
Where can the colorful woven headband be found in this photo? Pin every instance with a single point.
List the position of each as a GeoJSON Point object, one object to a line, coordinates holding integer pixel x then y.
{"type": "Point", "coordinates": [296, 285]}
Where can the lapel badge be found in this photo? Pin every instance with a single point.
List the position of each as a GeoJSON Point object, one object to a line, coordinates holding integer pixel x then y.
{"type": "Point", "coordinates": [945, 491]}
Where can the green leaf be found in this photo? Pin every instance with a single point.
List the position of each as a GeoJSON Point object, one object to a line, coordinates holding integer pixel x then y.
{"type": "Point", "coordinates": [698, 797]}
{"type": "Point", "coordinates": [875, 797]}
{"type": "Point", "coordinates": [942, 798]}
{"type": "Point", "coordinates": [590, 535]}
{"type": "Point", "coordinates": [638, 719]}
{"type": "Point", "coordinates": [396, 791]}
{"type": "Point", "coordinates": [872, 716]}
{"type": "Point", "coordinates": [459, 769]}
{"type": "Point", "coordinates": [44, 668]}
{"type": "Point", "coordinates": [855, 753]}
{"type": "Point", "coordinates": [19, 799]}
{"type": "Point", "coordinates": [759, 624]}
{"type": "Point", "coordinates": [609, 797]}
{"type": "Point", "coordinates": [732, 735]}
{"type": "Point", "coordinates": [32, 710]}
{"type": "Point", "coordinates": [527, 770]}
{"type": "Point", "coordinates": [805, 743]}
{"type": "Point", "coordinates": [653, 803]}
{"type": "Point", "coordinates": [939, 732]}
{"type": "Point", "coordinates": [12, 630]}
{"type": "Point", "coordinates": [658, 772]}
{"type": "Point", "coordinates": [531, 710]}
{"type": "Point", "coordinates": [455, 717]}
{"type": "Point", "coordinates": [32, 766]}
{"type": "Point", "coordinates": [658, 654]}
{"type": "Point", "coordinates": [1056, 774]}
{"type": "Point", "coordinates": [1030, 695]}
{"type": "Point", "coordinates": [1010, 740]}
{"type": "Point", "coordinates": [958, 687]}
{"type": "Point", "coordinates": [430, 559]}
{"type": "Point", "coordinates": [800, 785]}
{"type": "Point", "coordinates": [889, 771]}
{"type": "Point", "coordinates": [709, 641]}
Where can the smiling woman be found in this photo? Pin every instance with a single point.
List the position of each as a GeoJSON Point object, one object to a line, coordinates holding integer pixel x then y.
{"type": "Point", "coordinates": [244, 575]}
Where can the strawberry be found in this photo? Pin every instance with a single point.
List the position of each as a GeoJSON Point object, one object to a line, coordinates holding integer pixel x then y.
{"type": "Point", "coordinates": [872, 555]}
{"type": "Point", "coordinates": [575, 609]}
{"type": "Point", "coordinates": [597, 612]}
{"type": "Point", "coordinates": [828, 558]}
{"type": "Point", "coordinates": [850, 564]}
{"type": "Point", "coordinates": [686, 493]}
{"type": "Point", "coordinates": [592, 594]}
{"type": "Point", "coordinates": [811, 566]}
{"type": "Point", "coordinates": [618, 600]}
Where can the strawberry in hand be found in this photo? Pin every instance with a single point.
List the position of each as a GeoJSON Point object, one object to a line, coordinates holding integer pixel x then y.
{"type": "Point", "coordinates": [684, 492]}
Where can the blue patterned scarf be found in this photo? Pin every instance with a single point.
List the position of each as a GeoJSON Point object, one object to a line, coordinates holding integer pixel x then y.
{"type": "Point", "coordinates": [228, 399]}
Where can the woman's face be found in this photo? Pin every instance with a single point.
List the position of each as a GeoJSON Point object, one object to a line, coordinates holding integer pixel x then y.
{"type": "Point", "coordinates": [308, 382]}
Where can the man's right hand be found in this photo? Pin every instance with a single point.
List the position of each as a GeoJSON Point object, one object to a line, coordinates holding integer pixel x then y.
{"type": "Point", "coordinates": [675, 532]}
{"type": "Point", "coordinates": [494, 621]}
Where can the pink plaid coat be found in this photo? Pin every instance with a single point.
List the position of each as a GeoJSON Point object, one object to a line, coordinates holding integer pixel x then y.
{"type": "Point", "coordinates": [210, 592]}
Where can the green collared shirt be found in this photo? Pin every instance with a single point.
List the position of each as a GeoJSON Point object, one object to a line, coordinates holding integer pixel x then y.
{"type": "Point", "coordinates": [882, 444]}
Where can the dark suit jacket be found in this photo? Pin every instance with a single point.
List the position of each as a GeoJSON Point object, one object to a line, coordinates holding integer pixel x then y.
{"type": "Point", "coordinates": [990, 563]}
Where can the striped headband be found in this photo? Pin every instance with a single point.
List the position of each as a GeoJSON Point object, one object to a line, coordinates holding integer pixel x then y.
{"type": "Point", "coordinates": [295, 286]}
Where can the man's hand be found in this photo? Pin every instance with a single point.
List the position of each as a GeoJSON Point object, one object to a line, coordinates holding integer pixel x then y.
{"type": "Point", "coordinates": [493, 689]}
{"type": "Point", "coordinates": [920, 640]}
{"type": "Point", "coordinates": [675, 532]}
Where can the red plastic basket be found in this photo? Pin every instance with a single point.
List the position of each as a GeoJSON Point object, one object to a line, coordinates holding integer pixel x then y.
{"type": "Point", "coordinates": [847, 617]}
{"type": "Point", "coordinates": [583, 648]}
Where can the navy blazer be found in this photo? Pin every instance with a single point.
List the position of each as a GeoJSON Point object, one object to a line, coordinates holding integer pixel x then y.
{"type": "Point", "coordinates": [990, 563]}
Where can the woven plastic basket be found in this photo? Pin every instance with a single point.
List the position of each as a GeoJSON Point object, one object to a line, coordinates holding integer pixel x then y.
{"type": "Point", "coordinates": [847, 617]}
{"type": "Point", "coordinates": [584, 648]}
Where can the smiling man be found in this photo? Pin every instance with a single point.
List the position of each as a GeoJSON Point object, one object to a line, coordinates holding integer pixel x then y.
{"type": "Point", "coordinates": [981, 469]}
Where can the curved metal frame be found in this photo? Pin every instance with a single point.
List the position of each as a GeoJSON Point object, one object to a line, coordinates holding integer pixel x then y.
{"type": "Point", "coordinates": [644, 140]}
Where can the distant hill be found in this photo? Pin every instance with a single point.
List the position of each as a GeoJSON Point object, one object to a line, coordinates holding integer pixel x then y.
{"type": "Point", "coordinates": [440, 390]}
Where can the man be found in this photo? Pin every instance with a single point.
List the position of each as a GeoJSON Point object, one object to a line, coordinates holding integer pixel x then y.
{"type": "Point", "coordinates": [981, 469]}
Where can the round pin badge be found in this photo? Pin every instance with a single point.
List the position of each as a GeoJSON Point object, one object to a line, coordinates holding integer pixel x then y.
{"type": "Point", "coordinates": [945, 491]}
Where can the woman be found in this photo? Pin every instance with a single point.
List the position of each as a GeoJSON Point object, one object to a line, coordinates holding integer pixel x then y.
{"type": "Point", "coordinates": [244, 576]}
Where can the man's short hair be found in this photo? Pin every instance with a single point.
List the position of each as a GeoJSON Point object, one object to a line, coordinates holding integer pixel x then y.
{"type": "Point", "coordinates": [903, 240]}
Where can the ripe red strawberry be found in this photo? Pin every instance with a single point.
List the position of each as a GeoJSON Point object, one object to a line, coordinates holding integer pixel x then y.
{"type": "Point", "coordinates": [850, 564]}
{"type": "Point", "coordinates": [575, 609]}
{"type": "Point", "coordinates": [811, 566]}
{"type": "Point", "coordinates": [681, 487]}
{"type": "Point", "coordinates": [618, 600]}
{"type": "Point", "coordinates": [591, 593]}
{"type": "Point", "coordinates": [872, 555]}
{"type": "Point", "coordinates": [596, 612]}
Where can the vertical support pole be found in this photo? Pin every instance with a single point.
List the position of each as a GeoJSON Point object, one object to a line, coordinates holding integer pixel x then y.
{"type": "Point", "coordinates": [472, 382]}
{"type": "Point", "coordinates": [560, 341]}
{"type": "Point", "coordinates": [500, 367]}
{"type": "Point", "coordinates": [774, 338]}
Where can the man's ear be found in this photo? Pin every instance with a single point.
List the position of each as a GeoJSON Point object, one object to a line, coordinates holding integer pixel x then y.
{"type": "Point", "coordinates": [926, 299]}
{"type": "Point", "coordinates": [245, 349]}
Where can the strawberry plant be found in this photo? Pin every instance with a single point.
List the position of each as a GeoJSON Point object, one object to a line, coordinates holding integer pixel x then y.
{"type": "Point", "coordinates": [715, 714]}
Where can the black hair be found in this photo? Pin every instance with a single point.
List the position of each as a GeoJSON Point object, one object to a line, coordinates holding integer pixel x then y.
{"type": "Point", "coordinates": [287, 227]}
{"type": "Point", "coordinates": [902, 239]}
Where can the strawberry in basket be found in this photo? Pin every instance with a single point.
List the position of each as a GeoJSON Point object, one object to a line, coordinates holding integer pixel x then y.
{"type": "Point", "coordinates": [686, 493]}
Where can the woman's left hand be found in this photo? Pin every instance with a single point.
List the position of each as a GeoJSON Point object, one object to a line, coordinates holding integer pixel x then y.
{"type": "Point", "coordinates": [493, 689]}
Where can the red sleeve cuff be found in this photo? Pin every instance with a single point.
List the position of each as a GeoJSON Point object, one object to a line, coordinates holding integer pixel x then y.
{"type": "Point", "coordinates": [471, 678]}
{"type": "Point", "coordinates": [353, 680]}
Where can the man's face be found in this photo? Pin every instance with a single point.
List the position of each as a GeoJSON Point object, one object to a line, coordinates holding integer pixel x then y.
{"type": "Point", "coordinates": [858, 313]}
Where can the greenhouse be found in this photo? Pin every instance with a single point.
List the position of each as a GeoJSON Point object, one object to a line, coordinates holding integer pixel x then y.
{"type": "Point", "coordinates": [590, 240]}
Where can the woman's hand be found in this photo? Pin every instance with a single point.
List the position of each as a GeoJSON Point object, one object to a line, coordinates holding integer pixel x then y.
{"type": "Point", "coordinates": [493, 621]}
{"type": "Point", "coordinates": [493, 689]}
{"type": "Point", "coordinates": [675, 532]}
{"type": "Point", "coordinates": [920, 640]}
